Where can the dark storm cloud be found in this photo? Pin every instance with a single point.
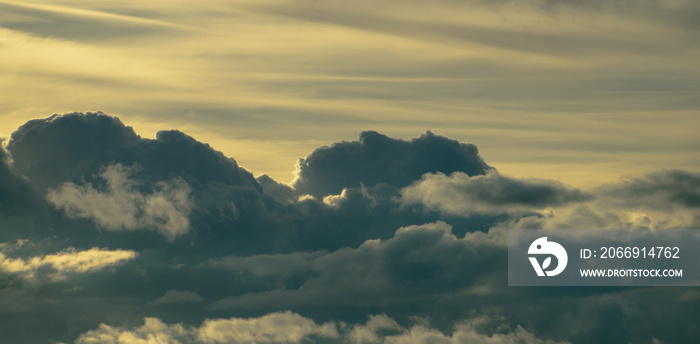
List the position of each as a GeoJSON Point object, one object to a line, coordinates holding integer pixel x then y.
{"type": "Point", "coordinates": [376, 158]}
{"type": "Point", "coordinates": [67, 147]}
{"type": "Point", "coordinates": [24, 213]}
{"type": "Point", "coordinates": [15, 194]}
{"type": "Point", "coordinates": [93, 166]}
{"type": "Point", "coordinates": [280, 192]}
{"type": "Point", "coordinates": [246, 250]}
{"type": "Point", "coordinates": [416, 266]}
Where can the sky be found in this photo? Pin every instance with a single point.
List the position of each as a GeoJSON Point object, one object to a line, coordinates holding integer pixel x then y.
{"type": "Point", "coordinates": [337, 172]}
{"type": "Point", "coordinates": [578, 91]}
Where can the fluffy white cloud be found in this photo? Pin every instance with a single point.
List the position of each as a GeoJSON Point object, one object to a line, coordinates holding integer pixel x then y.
{"type": "Point", "coordinates": [123, 206]}
{"type": "Point", "coordinates": [66, 261]}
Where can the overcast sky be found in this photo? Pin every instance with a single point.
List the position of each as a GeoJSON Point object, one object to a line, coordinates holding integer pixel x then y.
{"type": "Point", "coordinates": [337, 171]}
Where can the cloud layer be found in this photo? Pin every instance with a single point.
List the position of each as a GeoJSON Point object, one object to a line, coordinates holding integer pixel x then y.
{"type": "Point", "coordinates": [281, 327]}
{"type": "Point", "coordinates": [287, 327]}
{"type": "Point", "coordinates": [379, 240]}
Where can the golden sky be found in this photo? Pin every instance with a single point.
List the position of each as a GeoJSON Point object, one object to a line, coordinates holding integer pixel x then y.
{"type": "Point", "coordinates": [577, 91]}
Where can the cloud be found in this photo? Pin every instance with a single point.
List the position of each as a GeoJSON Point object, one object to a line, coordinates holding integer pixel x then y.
{"type": "Point", "coordinates": [41, 151]}
{"type": "Point", "coordinates": [664, 189]}
{"type": "Point", "coordinates": [465, 332]}
{"type": "Point", "coordinates": [399, 232]}
{"type": "Point", "coordinates": [279, 327]}
{"type": "Point", "coordinates": [12, 189]}
{"type": "Point", "coordinates": [459, 193]}
{"type": "Point", "coordinates": [122, 206]}
{"type": "Point", "coordinates": [514, 31]}
{"type": "Point", "coordinates": [283, 327]}
{"type": "Point", "coordinates": [153, 331]}
{"type": "Point", "coordinates": [296, 89]}
{"type": "Point", "coordinates": [80, 25]}
{"type": "Point", "coordinates": [376, 158]}
{"type": "Point", "coordinates": [18, 201]}
{"type": "Point", "coordinates": [280, 192]}
{"type": "Point", "coordinates": [371, 331]}
{"type": "Point", "coordinates": [92, 166]}
{"type": "Point", "coordinates": [656, 200]}
{"type": "Point", "coordinates": [67, 261]}
{"type": "Point", "coordinates": [175, 297]}
{"type": "Point", "coordinates": [287, 327]}
{"type": "Point", "coordinates": [415, 265]}
{"type": "Point", "coordinates": [66, 148]}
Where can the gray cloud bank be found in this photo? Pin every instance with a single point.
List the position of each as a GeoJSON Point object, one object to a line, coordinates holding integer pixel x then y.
{"type": "Point", "coordinates": [379, 240]}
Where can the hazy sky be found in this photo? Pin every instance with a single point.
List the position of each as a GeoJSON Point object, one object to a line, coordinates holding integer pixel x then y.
{"type": "Point", "coordinates": [168, 204]}
{"type": "Point", "coordinates": [578, 91]}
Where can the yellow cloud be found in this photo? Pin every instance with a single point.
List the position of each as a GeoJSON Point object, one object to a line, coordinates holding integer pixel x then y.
{"type": "Point", "coordinates": [67, 261]}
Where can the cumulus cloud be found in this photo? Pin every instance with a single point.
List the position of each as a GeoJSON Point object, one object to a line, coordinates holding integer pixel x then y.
{"type": "Point", "coordinates": [153, 331]}
{"type": "Point", "coordinates": [122, 206]}
{"type": "Point", "coordinates": [465, 332]}
{"type": "Point", "coordinates": [459, 193]}
{"type": "Point", "coordinates": [70, 147]}
{"type": "Point", "coordinates": [372, 330]}
{"type": "Point", "coordinates": [279, 327]}
{"type": "Point", "coordinates": [288, 327]}
{"type": "Point", "coordinates": [376, 158]}
{"type": "Point", "coordinates": [393, 227]}
{"type": "Point", "coordinates": [14, 193]}
{"type": "Point", "coordinates": [19, 203]}
{"type": "Point", "coordinates": [280, 192]}
{"type": "Point", "coordinates": [67, 261]}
